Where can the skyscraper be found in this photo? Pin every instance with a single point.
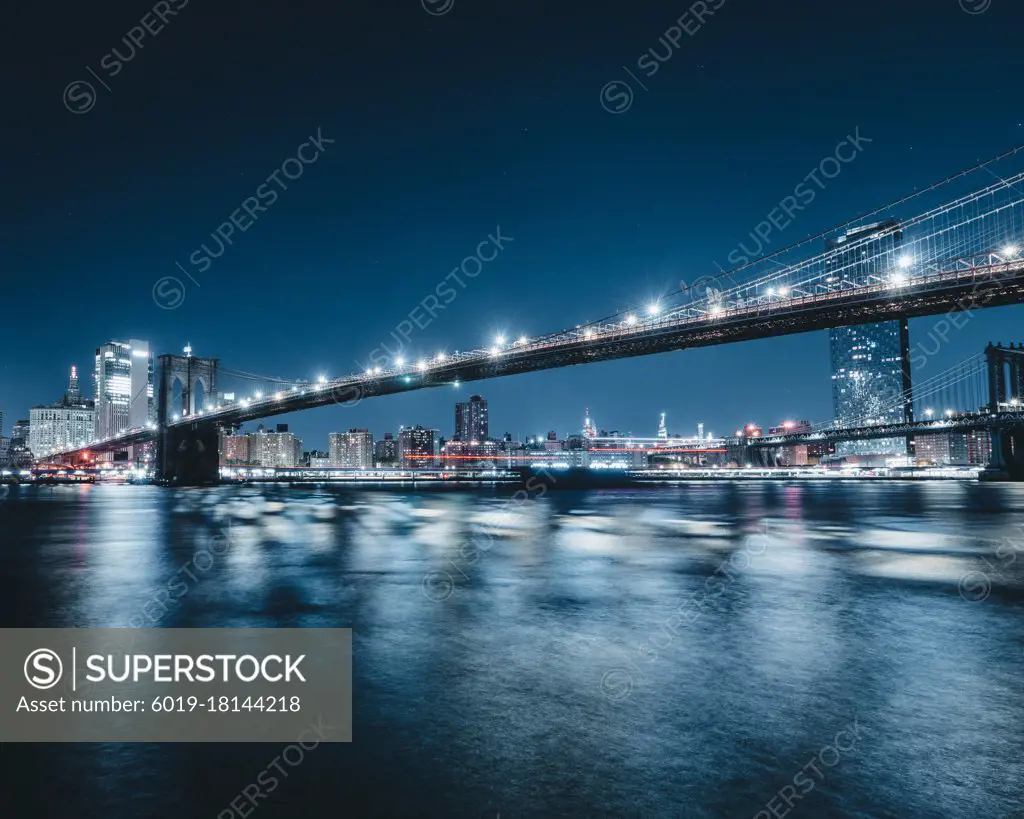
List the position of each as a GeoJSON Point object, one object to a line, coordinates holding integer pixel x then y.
{"type": "Point", "coordinates": [73, 396]}
{"type": "Point", "coordinates": [62, 425]}
{"type": "Point", "coordinates": [124, 386]}
{"type": "Point", "coordinates": [471, 420]}
{"type": "Point", "coordinates": [870, 362]}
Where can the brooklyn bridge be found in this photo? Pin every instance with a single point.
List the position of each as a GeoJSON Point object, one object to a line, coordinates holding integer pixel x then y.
{"type": "Point", "coordinates": [962, 255]}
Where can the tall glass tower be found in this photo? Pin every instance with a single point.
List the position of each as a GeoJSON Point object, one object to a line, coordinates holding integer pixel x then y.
{"type": "Point", "coordinates": [124, 386]}
{"type": "Point", "coordinates": [870, 362]}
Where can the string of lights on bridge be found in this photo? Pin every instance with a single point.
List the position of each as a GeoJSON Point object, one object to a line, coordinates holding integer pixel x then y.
{"type": "Point", "coordinates": [976, 236]}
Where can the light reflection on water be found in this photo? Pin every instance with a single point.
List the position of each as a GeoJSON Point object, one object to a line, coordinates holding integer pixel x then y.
{"type": "Point", "coordinates": [545, 676]}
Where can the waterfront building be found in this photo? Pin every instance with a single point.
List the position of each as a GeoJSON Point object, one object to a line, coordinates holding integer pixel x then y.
{"type": "Point", "coordinates": [385, 451]}
{"type": "Point", "coordinates": [979, 447]}
{"type": "Point", "coordinates": [942, 449]}
{"type": "Point", "coordinates": [19, 433]}
{"type": "Point", "coordinates": [236, 450]}
{"type": "Point", "coordinates": [5, 451]}
{"type": "Point", "coordinates": [461, 454]}
{"type": "Point", "coordinates": [792, 454]}
{"type": "Point", "coordinates": [124, 387]}
{"type": "Point", "coordinates": [471, 423]}
{"type": "Point", "coordinates": [319, 460]}
{"type": "Point", "coordinates": [552, 444]}
{"type": "Point", "coordinates": [62, 425]}
{"type": "Point", "coordinates": [418, 447]}
{"type": "Point", "coordinates": [870, 362]}
{"type": "Point", "coordinates": [352, 449]}
{"type": "Point", "coordinates": [269, 449]}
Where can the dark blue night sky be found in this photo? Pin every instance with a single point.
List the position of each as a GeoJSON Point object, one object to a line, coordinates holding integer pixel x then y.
{"type": "Point", "coordinates": [444, 128]}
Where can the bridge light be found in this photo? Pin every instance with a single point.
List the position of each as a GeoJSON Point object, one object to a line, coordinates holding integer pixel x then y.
{"type": "Point", "coordinates": [440, 357]}
{"type": "Point", "coordinates": [654, 309]}
{"type": "Point", "coordinates": [630, 319]}
{"type": "Point", "coordinates": [321, 380]}
{"type": "Point", "coordinates": [422, 365]}
{"type": "Point", "coordinates": [499, 340]}
{"type": "Point", "coordinates": [376, 370]}
{"type": "Point", "coordinates": [783, 291]}
{"type": "Point", "coordinates": [929, 412]}
{"type": "Point", "coordinates": [495, 351]}
{"type": "Point", "coordinates": [455, 384]}
{"type": "Point", "coordinates": [1010, 250]}
{"type": "Point", "coordinates": [905, 261]}
{"type": "Point", "coordinates": [588, 334]}
{"type": "Point", "coordinates": [523, 340]}
{"type": "Point", "coordinates": [949, 413]}
{"type": "Point", "coordinates": [278, 396]}
{"type": "Point", "coordinates": [177, 417]}
{"type": "Point", "coordinates": [399, 362]}
{"type": "Point", "coordinates": [716, 309]}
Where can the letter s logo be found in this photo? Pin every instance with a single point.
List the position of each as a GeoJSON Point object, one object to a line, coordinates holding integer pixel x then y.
{"type": "Point", "coordinates": [39, 669]}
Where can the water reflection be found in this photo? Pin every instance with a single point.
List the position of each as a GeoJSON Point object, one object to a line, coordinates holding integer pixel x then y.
{"type": "Point", "coordinates": [663, 652]}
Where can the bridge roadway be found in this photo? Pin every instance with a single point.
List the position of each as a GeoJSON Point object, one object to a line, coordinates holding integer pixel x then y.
{"type": "Point", "coordinates": [964, 422]}
{"type": "Point", "coordinates": [953, 286]}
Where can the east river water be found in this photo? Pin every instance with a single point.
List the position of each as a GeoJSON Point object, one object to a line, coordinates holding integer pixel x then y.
{"type": "Point", "coordinates": [820, 649]}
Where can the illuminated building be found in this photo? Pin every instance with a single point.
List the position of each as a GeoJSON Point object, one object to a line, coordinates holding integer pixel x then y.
{"type": "Point", "coordinates": [870, 362]}
{"type": "Point", "coordinates": [352, 449]}
{"type": "Point", "coordinates": [236, 449]}
{"type": "Point", "coordinates": [19, 433]}
{"type": "Point", "coordinates": [552, 444]}
{"type": "Point", "coordinates": [385, 451]}
{"type": "Point", "coordinates": [318, 460]}
{"type": "Point", "coordinates": [458, 454]}
{"type": "Point", "coordinates": [418, 447]}
{"type": "Point", "coordinates": [471, 420]}
{"type": "Point", "coordinates": [979, 447]}
{"type": "Point", "coordinates": [5, 450]}
{"type": "Point", "coordinates": [792, 454]}
{"type": "Point", "coordinates": [662, 429]}
{"type": "Point", "coordinates": [268, 449]}
{"type": "Point", "coordinates": [589, 429]}
{"type": "Point", "coordinates": [942, 449]}
{"type": "Point", "coordinates": [124, 387]}
{"type": "Point", "coordinates": [62, 425]}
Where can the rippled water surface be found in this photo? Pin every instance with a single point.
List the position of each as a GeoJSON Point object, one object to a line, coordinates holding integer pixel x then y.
{"type": "Point", "coordinates": [687, 651]}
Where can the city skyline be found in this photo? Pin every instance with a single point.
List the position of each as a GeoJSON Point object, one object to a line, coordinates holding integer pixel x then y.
{"type": "Point", "coordinates": [589, 235]}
